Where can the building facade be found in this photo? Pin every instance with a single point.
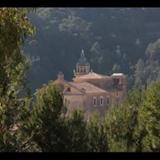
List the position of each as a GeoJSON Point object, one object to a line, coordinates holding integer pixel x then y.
{"type": "Point", "coordinates": [90, 91]}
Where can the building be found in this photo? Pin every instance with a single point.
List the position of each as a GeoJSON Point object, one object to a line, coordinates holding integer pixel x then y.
{"type": "Point", "coordinates": [90, 91]}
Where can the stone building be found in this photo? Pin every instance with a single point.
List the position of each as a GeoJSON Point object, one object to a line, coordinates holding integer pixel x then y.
{"type": "Point", "coordinates": [90, 91]}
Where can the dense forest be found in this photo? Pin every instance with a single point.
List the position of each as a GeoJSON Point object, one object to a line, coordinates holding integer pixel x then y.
{"type": "Point", "coordinates": [38, 122]}
{"type": "Point", "coordinates": [114, 39]}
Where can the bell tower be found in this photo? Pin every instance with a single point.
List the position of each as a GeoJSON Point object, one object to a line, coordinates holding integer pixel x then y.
{"type": "Point", "coordinates": [82, 66]}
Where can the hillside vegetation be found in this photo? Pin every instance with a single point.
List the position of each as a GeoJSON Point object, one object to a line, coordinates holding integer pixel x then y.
{"type": "Point", "coordinates": [38, 122]}
{"type": "Point", "coordinates": [114, 39]}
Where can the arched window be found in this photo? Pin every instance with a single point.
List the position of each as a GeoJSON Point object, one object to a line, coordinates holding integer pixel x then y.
{"type": "Point", "coordinates": [94, 101]}
{"type": "Point", "coordinates": [101, 100]}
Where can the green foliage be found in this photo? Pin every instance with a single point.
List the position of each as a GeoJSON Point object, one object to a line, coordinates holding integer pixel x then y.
{"type": "Point", "coordinates": [140, 77]}
{"type": "Point", "coordinates": [121, 123]}
{"type": "Point", "coordinates": [14, 28]}
{"type": "Point", "coordinates": [45, 124]}
{"type": "Point", "coordinates": [148, 71]}
{"type": "Point", "coordinates": [75, 25]}
{"type": "Point", "coordinates": [149, 116]}
{"type": "Point", "coordinates": [40, 123]}
{"type": "Point", "coordinates": [116, 125]}
{"type": "Point", "coordinates": [77, 132]}
{"type": "Point", "coordinates": [152, 50]}
{"type": "Point", "coordinates": [107, 36]}
{"type": "Point", "coordinates": [97, 135]}
{"type": "Point", "coordinates": [50, 129]}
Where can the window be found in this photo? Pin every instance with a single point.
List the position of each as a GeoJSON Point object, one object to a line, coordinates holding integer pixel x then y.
{"type": "Point", "coordinates": [66, 101]}
{"type": "Point", "coordinates": [68, 89]}
{"type": "Point", "coordinates": [116, 81]}
{"type": "Point", "coordinates": [107, 100]}
{"type": "Point", "coordinates": [101, 100]}
{"type": "Point", "coordinates": [82, 70]}
{"type": "Point", "coordinates": [117, 94]}
{"type": "Point", "coordinates": [94, 101]}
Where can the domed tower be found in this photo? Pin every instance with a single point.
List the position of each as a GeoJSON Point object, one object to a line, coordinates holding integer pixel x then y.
{"type": "Point", "coordinates": [82, 66]}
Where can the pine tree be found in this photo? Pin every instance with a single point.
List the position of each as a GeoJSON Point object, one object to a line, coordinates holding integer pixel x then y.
{"type": "Point", "coordinates": [149, 115]}
{"type": "Point", "coordinates": [121, 123]}
{"type": "Point", "coordinates": [97, 134]}
{"type": "Point", "coordinates": [77, 135]}
{"type": "Point", "coordinates": [48, 127]}
{"type": "Point", "coordinates": [15, 27]}
{"type": "Point", "coordinates": [46, 124]}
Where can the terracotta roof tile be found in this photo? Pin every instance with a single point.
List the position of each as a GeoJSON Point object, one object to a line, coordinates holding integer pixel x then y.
{"type": "Point", "coordinates": [87, 87]}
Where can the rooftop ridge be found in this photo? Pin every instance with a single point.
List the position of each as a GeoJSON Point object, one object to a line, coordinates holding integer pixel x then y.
{"type": "Point", "coordinates": [91, 75]}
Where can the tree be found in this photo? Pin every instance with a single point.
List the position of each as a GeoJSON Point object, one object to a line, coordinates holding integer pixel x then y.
{"type": "Point", "coordinates": [75, 25]}
{"type": "Point", "coordinates": [46, 125]}
{"type": "Point", "coordinates": [97, 135]}
{"type": "Point", "coordinates": [139, 73]}
{"type": "Point", "coordinates": [152, 50]}
{"type": "Point", "coordinates": [121, 123]}
{"type": "Point", "coordinates": [147, 71]}
{"type": "Point", "coordinates": [148, 119]}
{"type": "Point", "coordinates": [15, 27]}
{"type": "Point", "coordinates": [78, 137]}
